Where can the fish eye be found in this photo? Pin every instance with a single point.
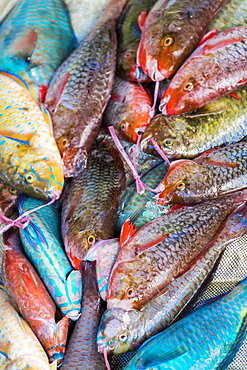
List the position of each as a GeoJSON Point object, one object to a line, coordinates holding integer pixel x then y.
{"type": "Point", "coordinates": [168, 142]}
{"type": "Point", "coordinates": [123, 337]}
{"type": "Point", "coordinates": [12, 191]}
{"type": "Point", "coordinates": [128, 55]}
{"type": "Point", "coordinates": [91, 239]}
{"type": "Point", "coordinates": [130, 292]}
{"type": "Point", "coordinates": [180, 185]}
{"type": "Point", "coordinates": [168, 41]}
{"type": "Point", "coordinates": [30, 178]}
{"type": "Point", "coordinates": [189, 86]}
{"type": "Point", "coordinates": [122, 127]}
{"type": "Point", "coordinates": [64, 142]}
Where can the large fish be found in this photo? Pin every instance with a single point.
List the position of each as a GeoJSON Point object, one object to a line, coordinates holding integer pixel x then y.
{"type": "Point", "coordinates": [170, 32]}
{"type": "Point", "coordinates": [43, 246]}
{"type": "Point", "coordinates": [80, 89]}
{"type": "Point", "coordinates": [20, 349]}
{"type": "Point", "coordinates": [121, 331]}
{"type": "Point", "coordinates": [165, 248]}
{"type": "Point", "coordinates": [214, 69]}
{"type": "Point", "coordinates": [219, 172]}
{"type": "Point", "coordinates": [32, 299]}
{"type": "Point", "coordinates": [90, 200]}
{"type": "Point", "coordinates": [208, 338]}
{"type": "Point", "coordinates": [30, 159]}
{"type": "Point", "coordinates": [82, 349]}
{"type": "Point", "coordinates": [27, 47]}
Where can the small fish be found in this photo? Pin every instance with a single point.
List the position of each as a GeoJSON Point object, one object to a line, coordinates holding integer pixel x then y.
{"type": "Point", "coordinates": [30, 159]}
{"type": "Point", "coordinates": [90, 200]}
{"type": "Point", "coordinates": [207, 338]}
{"type": "Point", "coordinates": [43, 246]}
{"type": "Point", "coordinates": [82, 349]}
{"type": "Point", "coordinates": [170, 32]}
{"type": "Point", "coordinates": [20, 349]}
{"type": "Point", "coordinates": [8, 199]}
{"type": "Point", "coordinates": [27, 47]}
{"type": "Point", "coordinates": [129, 109]}
{"type": "Point", "coordinates": [215, 68]}
{"type": "Point", "coordinates": [218, 172]}
{"type": "Point", "coordinates": [165, 248]}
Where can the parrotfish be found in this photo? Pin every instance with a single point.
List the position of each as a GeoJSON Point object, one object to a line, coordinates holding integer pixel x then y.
{"type": "Point", "coordinates": [215, 68]}
{"type": "Point", "coordinates": [90, 200]}
{"type": "Point", "coordinates": [218, 172]}
{"type": "Point", "coordinates": [80, 89]}
{"type": "Point", "coordinates": [129, 109]}
{"type": "Point", "coordinates": [121, 331]}
{"type": "Point", "coordinates": [165, 248]}
{"type": "Point", "coordinates": [221, 122]}
{"type": "Point", "coordinates": [170, 32]}
{"type": "Point", "coordinates": [27, 47]}
{"type": "Point", "coordinates": [43, 246]}
{"type": "Point", "coordinates": [208, 338]}
{"type": "Point", "coordinates": [82, 349]}
{"type": "Point", "coordinates": [20, 349]}
{"type": "Point", "coordinates": [31, 298]}
{"type": "Point", "coordinates": [129, 35]}
{"type": "Point", "coordinates": [30, 160]}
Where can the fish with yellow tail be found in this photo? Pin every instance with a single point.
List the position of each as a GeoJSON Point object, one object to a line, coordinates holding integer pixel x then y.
{"type": "Point", "coordinates": [30, 160]}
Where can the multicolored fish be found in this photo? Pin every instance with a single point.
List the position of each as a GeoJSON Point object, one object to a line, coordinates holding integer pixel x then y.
{"type": "Point", "coordinates": [20, 349]}
{"type": "Point", "coordinates": [27, 47]}
{"type": "Point", "coordinates": [30, 160]}
{"type": "Point", "coordinates": [207, 338]}
{"type": "Point", "coordinates": [43, 246]}
{"type": "Point", "coordinates": [170, 32]}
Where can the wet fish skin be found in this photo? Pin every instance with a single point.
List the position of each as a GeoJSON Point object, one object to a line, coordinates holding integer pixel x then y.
{"type": "Point", "coordinates": [90, 200]}
{"type": "Point", "coordinates": [27, 48]}
{"type": "Point", "coordinates": [193, 341]}
{"type": "Point", "coordinates": [32, 299]}
{"type": "Point", "coordinates": [171, 31]}
{"type": "Point", "coordinates": [82, 350]}
{"type": "Point", "coordinates": [165, 248]}
{"type": "Point", "coordinates": [232, 14]}
{"type": "Point", "coordinates": [210, 175]}
{"type": "Point", "coordinates": [186, 136]}
{"type": "Point", "coordinates": [8, 199]}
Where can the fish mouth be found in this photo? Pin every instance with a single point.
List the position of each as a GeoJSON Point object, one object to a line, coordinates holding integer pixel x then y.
{"type": "Point", "coordinates": [153, 70]}
{"type": "Point", "coordinates": [163, 105]}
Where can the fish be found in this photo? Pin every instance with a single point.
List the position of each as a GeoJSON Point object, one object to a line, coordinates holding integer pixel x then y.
{"type": "Point", "coordinates": [20, 349]}
{"type": "Point", "coordinates": [129, 109]}
{"type": "Point", "coordinates": [8, 199]}
{"type": "Point", "coordinates": [232, 14]}
{"type": "Point", "coordinates": [213, 174]}
{"type": "Point", "coordinates": [27, 46]}
{"type": "Point", "coordinates": [104, 252]}
{"type": "Point", "coordinates": [129, 35]}
{"type": "Point", "coordinates": [43, 246]}
{"type": "Point", "coordinates": [31, 298]}
{"type": "Point", "coordinates": [121, 331]}
{"type": "Point", "coordinates": [219, 123]}
{"type": "Point", "coordinates": [193, 342]}
{"type": "Point", "coordinates": [30, 159]}
{"type": "Point", "coordinates": [215, 68]}
{"type": "Point", "coordinates": [90, 200]}
{"type": "Point", "coordinates": [170, 32]}
{"type": "Point", "coordinates": [163, 249]}
{"type": "Point", "coordinates": [82, 350]}
{"type": "Point", "coordinates": [80, 89]}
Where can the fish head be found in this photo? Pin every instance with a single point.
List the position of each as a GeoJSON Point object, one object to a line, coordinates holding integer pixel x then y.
{"type": "Point", "coordinates": [127, 66]}
{"type": "Point", "coordinates": [119, 331]}
{"type": "Point", "coordinates": [31, 362]}
{"type": "Point", "coordinates": [38, 173]}
{"type": "Point", "coordinates": [8, 199]}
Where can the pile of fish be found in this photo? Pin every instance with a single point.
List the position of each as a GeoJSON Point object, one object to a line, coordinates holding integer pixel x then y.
{"type": "Point", "coordinates": [123, 180]}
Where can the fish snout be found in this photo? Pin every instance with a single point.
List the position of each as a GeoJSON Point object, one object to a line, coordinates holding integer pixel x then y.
{"type": "Point", "coordinates": [153, 70]}
{"type": "Point", "coordinates": [163, 104]}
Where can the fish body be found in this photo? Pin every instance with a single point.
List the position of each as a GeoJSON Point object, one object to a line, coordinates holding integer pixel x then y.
{"type": "Point", "coordinates": [218, 172]}
{"type": "Point", "coordinates": [165, 248]}
{"type": "Point", "coordinates": [89, 204]}
{"type": "Point", "coordinates": [171, 32]}
{"type": "Point", "coordinates": [207, 338]}
{"type": "Point", "coordinates": [129, 35]}
{"type": "Point", "coordinates": [82, 350]}
{"type": "Point", "coordinates": [43, 246]}
{"type": "Point", "coordinates": [32, 299]}
{"type": "Point", "coordinates": [30, 160]}
{"type": "Point", "coordinates": [20, 349]}
{"type": "Point", "coordinates": [232, 14]}
{"type": "Point", "coordinates": [219, 123]}
{"type": "Point", "coordinates": [129, 109]}
{"type": "Point", "coordinates": [121, 331]}
{"type": "Point", "coordinates": [214, 69]}
{"type": "Point", "coordinates": [26, 43]}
